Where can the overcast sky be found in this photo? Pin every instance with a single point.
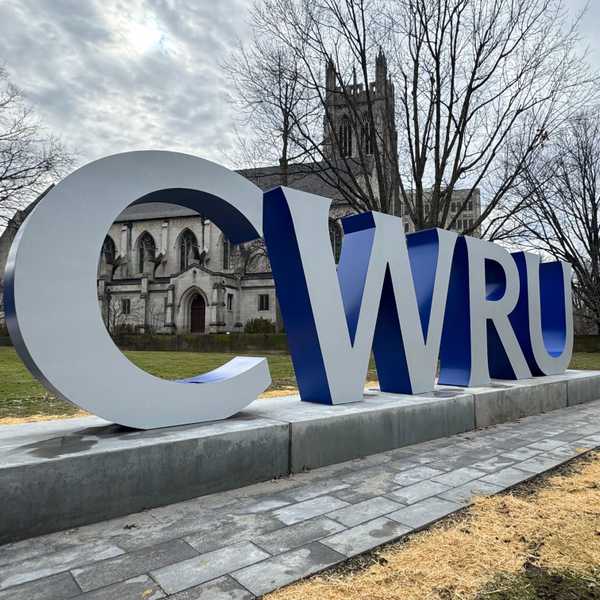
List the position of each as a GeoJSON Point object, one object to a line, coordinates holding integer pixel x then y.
{"type": "Point", "coordinates": [116, 75]}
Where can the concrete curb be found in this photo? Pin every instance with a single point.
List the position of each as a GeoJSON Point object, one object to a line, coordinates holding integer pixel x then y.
{"type": "Point", "coordinates": [61, 474]}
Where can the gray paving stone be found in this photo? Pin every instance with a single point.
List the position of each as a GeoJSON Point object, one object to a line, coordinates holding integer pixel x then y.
{"type": "Point", "coordinates": [465, 493]}
{"type": "Point", "coordinates": [434, 444]}
{"type": "Point", "coordinates": [223, 588]}
{"type": "Point", "coordinates": [459, 476]}
{"type": "Point", "coordinates": [309, 492]}
{"type": "Point", "coordinates": [364, 511]}
{"type": "Point", "coordinates": [566, 452]}
{"type": "Point", "coordinates": [589, 429]}
{"type": "Point", "coordinates": [587, 443]}
{"type": "Point", "coordinates": [553, 431]}
{"type": "Point", "coordinates": [262, 505]}
{"type": "Point", "coordinates": [183, 519]}
{"type": "Point", "coordinates": [420, 459]}
{"type": "Point", "coordinates": [63, 560]}
{"type": "Point", "coordinates": [415, 475]}
{"type": "Point", "coordinates": [285, 568]}
{"type": "Point", "coordinates": [508, 441]}
{"type": "Point", "coordinates": [55, 587]}
{"type": "Point", "coordinates": [360, 475]}
{"type": "Point", "coordinates": [519, 454]}
{"type": "Point", "coordinates": [354, 496]}
{"type": "Point", "coordinates": [424, 512]}
{"type": "Point", "coordinates": [225, 531]}
{"type": "Point", "coordinates": [173, 514]}
{"type": "Point", "coordinates": [33, 547]}
{"type": "Point", "coordinates": [126, 566]}
{"type": "Point", "coordinates": [403, 464]}
{"type": "Point", "coordinates": [538, 464]}
{"type": "Point", "coordinates": [506, 477]}
{"type": "Point", "coordinates": [300, 534]}
{"type": "Point", "coordinates": [205, 567]}
{"type": "Point", "coordinates": [592, 441]}
{"type": "Point", "coordinates": [376, 483]}
{"type": "Point", "coordinates": [104, 531]}
{"type": "Point", "coordinates": [366, 536]}
{"type": "Point", "coordinates": [137, 588]}
{"type": "Point", "coordinates": [403, 453]}
{"type": "Point", "coordinates": [372, 460]}
{"type": "Point", "coordinates": [418, 491]}
{"type": "Point", "coordinates": [308, 509]}
{"type": "Point", "coordinates": [548, 444]}
{"type": "Point", "coordinates": [496, 463]}
{"type": "Point", "coordinates": [466, 459]}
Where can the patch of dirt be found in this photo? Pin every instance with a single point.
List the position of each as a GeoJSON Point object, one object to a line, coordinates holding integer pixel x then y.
{"type": "Point", "coordinates": [535, 583]}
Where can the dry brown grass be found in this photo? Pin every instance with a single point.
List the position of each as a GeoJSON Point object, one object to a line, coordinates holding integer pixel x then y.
{"type": "Point", "coordinates": [556, 527]}
{"type": "Point", "coordinates": [36, 418]}
{"type": "Point", "coordinates": [284, 391]}
{"type": "Point", "coordinates": [82, 413]}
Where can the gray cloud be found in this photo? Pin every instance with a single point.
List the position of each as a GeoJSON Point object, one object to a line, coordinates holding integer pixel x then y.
{"type": "Point", "coordinates": [116, 75]}
{"type": "Point", "coordinates": [113, 75]}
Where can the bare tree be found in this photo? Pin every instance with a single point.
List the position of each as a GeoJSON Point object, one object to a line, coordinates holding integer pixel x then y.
{"type": "Point", "coordinates": [29, 158]}
{"type": "Point", "coordinates": [121, 315]}
{"type": "Point", "coordinates": [270, 97]}
{"type": "Point", "coordinates": [560, 207]}
{"type": "Point", "coordinates": [482, 86]}
{"type": "Point", "coordinates": [479, 86]}
{"type": "Point", "coordinates": [342, 39]}
{"type": "Point", "coordinates": [157, 316]}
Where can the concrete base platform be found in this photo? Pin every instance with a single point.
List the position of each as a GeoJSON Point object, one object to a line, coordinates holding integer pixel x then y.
{"type": "Point", "coordinates": [60, 474]}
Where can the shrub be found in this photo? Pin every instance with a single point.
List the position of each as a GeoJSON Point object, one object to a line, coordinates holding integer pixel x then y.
{"type": "Point", "coordinates": [259, 325]}
{"type": "Point", "coordinates": [125, 329]}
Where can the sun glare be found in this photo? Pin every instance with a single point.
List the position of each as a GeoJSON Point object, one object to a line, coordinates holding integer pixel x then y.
{"type": "Point", "coordinates": [144, 36]}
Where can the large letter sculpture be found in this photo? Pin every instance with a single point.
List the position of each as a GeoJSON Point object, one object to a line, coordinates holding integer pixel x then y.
{"type": "Point", "coordinates": [403, 298]}
{"type": "Point", "coordinates": [333, 321]}
{"type": "Point", "coordinates": [543, 317]}
{"type": "Point", "coordinates": [479, 341]}
{"type": "Point", "coordinates": [51, 296]}
{"type": "Point", "coordinates": [410, 300]}
{"type": "Point", "coordinates": [507, 317]}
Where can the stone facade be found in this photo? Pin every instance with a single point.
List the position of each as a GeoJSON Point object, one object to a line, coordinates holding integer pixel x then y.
{"type": "Point", "coordinates": [469, 213]}
{"type": "Point", "coordinates": [165, 269]}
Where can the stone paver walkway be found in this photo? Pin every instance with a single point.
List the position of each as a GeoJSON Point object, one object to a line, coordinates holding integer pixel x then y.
{"type": "Point", "coordinates": [247, 542]}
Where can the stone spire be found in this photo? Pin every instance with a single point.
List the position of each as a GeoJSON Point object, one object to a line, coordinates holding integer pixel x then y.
{"type": "Point", "coordinates": [381, 73]}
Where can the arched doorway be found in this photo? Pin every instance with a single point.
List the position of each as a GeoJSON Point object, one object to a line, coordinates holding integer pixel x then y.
{"type": "Point", "coordinates": [197, 314]}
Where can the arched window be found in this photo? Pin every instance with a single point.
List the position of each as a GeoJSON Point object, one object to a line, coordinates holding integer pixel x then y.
{"type": "Point", "coordinates": [345, 137]}
{"type": "Point", "coordinates": [188, 249]}
{"type": "Point", "coordinates": [146, 250]}
{"type": "Point", "coordinates": [335, 235]}
{"type": "Point", "coordinates": [366, 139]}
{"type": "Point", "coordinates": [109, 252]}
{"type": "Point", "coordinates": [226, 254]}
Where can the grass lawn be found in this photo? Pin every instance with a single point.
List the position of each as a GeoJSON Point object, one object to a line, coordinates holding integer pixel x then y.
{"type": "Point", "coordinates": [21, 396]}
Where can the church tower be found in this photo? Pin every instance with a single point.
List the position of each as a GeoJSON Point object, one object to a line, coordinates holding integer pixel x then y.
{"type": "Point", "coordinates": [346, 124]}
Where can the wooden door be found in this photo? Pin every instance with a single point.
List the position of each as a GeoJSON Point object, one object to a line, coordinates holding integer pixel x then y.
{"type": "Point", "coordinates": [198, 315]}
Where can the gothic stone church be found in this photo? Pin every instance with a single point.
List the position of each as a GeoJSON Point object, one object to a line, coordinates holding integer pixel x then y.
{"type": "Point", "coordinates": [166, 269]}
